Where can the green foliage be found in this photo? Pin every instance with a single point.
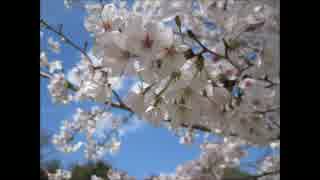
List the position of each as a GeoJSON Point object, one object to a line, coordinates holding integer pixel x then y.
{"type": "Point", "coordinates": [43, 174]}
{"type": "Point", "coordinates": [84, 172]}
{"type": "Point", "coordinates": [234, 173]}
{"type": "Point", "coordinates": [79, 172]}
{"type": "Point", "coordinates": [52, 165]}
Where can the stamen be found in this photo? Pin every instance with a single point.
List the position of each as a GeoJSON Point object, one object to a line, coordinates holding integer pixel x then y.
{"type": "Point", "coordinates": [147, 42]}
{"type": "Point", "coordinates": [107, 26]}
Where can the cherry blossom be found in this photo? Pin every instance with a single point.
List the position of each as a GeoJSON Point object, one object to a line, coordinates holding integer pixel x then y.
{"type": "Point", "coordinates": [212, 66]}
{"type": "Point", "coordinates": [43, 59]}
{"type": "Point", "coordinates": [58, 90]}
{"type": "Point", "coordinates": [60, 175]}
{"type": "Point", "coordinates": [54, 45]}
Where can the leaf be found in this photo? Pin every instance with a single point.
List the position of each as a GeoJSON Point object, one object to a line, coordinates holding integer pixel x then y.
{"type": "Point", "coordinates": [188, 54]}
{"type": "Point", "coordinates": [178, 22]}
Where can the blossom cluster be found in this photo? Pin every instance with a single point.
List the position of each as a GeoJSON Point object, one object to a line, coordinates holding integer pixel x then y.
{"type": "Point", "coordinates": [60, 174]}
{"type": "Point", "coordinates": [87, 123]}
{"type": "Point", "coordinates": [214, 159]}
{"type": "Point", "coordinates": [114, 174]}
{"type": "Point", "coordinates": [230, 86]}
{"type": "Point", "coordinates": [211, 64]}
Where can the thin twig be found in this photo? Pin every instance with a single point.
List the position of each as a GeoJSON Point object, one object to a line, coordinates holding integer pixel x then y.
{"type": "Point", "coordinates": [121, 104]}
{"type": "Point", "coordinates": [126, 108]}
{"type": "Point", "coordinates": [205, 49]}
{"type": "Point", "coordinates": [66, 39]}
{"type": "Point", "coordinates": [70, 42]}
{"type": "Point", "coordinates": [45, 75]}
{"type": "Point", "coordinates": [115, 105]}
{"type": "Point", "coordinates": [117, 97]}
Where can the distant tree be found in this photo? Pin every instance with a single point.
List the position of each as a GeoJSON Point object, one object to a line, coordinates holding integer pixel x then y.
{"type": "Point", "coordinates": [84, 172]}
{"type": "Point", "coordinates": [43, 174]}
{"type": "Point", "coordinates": [234, 173]}
{"type": "Point", "coordinates": [52, 165]}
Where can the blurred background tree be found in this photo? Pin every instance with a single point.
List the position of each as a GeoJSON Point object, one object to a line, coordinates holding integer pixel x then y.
{"type": "Point", "coordinates": [79, 172]}
{"type": "Point", "coordinates": [235, 174]}
{"type": "Point", "coordinates": [85, 171]}
{"type": "Point", "coordinates": [99, 168]}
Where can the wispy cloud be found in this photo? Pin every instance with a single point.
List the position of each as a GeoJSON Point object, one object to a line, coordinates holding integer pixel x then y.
{"type": "Point", "coordinates": [117, 83]}
{"type": "Point", "coordinates": [132, 126]}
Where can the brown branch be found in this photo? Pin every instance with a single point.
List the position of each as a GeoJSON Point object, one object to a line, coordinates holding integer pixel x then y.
{"type": "Point", "coordinates": [125, 107]}
{"type": "Point", "coordinates": [115, 105]}
{"type": "Point", "coordinates": [45, 75]}
{"type": "Point", "coordinates": [121, 104]}
{"type": "Point", "coordinates": [205, 49]}
{"type": "Point", "coordinates": [70, 42]}
{"type": "Point", "coordinates": [118, 97]}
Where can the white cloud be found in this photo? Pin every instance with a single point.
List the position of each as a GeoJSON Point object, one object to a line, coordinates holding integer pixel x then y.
{"type": "Point", "coordinates": [133, 125]}
{"type": "Point", "coordinates": [136, 87]}
{"type": "Point", "coordinates": [116, 82]}
{"type": "Point", "coordinates": [96, 61]}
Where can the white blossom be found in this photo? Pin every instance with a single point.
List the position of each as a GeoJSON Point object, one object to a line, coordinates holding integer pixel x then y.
{"type": "Point", "coordinates": [54, 45]}
{"type": "Point", "coordinates": [112, 48]}
{"type": "Point", "coordinates": [224, 78]}
{"type": "Point", "coordinates": [58, 89]}
{"type": "Point", "coordinates": [55, 66]}
{"type": "Point", "coordinates": [43, 59]}
{"type": "Point", "coordinates": [60, 175]}
{"type": "Point", "coordinates": [94, 177]}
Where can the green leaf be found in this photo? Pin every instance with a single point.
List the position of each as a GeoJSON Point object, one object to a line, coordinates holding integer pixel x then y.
{"type": "Point", "coordinates": [70, 86]}
{"type": "Point", "coordinates": [178, 22]}
{"type": "Point", "coordinates": [200, 63]}
{"type": "Point", "coordinates": [234, 44]}
{"type": "Point", "coordinates": [188, 54]}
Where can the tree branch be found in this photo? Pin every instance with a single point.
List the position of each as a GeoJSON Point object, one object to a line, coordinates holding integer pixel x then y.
{"type": "Point", "coordinates": [205, 49]}
{"type": "Point", "coordinates": [70, 42]}
{"type": "Point", "coordinates": [121, 104]}
{"type": "Point", "coordinates": [118, 97]}
{"type": "Point", "coordinates": [125, 107]}
{"type": "Point", "coordinates": [66, 39]}
{"type": "Point", "coordinates": [115, 105]}
{"type": "Point", "coordinates": [45, 75]}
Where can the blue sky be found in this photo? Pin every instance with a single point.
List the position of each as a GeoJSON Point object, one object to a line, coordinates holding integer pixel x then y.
{"type": "Point", "coordinates": [145, 149]}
